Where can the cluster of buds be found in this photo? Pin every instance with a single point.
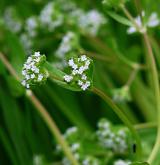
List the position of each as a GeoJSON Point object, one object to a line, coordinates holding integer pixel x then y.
{"type": "Point", "coordinates": [115, 140]}
{"type": "Point", "coordinates": [80, 72]}
{"type": "Point", "coordinates": [33, 70]}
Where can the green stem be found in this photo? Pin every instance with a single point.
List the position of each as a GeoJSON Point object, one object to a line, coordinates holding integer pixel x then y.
{"type": "Point", "coordinates": [44, 114]}
{"type": "Point", "coordinates": [121, 115]}
{"type": "Point", "coordinates": [157, 95]}
{"type": "Point", "coordinates": [52, 126]}
{"type": "Point", "coordinates": [145, 125]}
{"type": "Point", "coordinates": [155, 81]}
{"type": "Point", "coordinates": [127, 13]}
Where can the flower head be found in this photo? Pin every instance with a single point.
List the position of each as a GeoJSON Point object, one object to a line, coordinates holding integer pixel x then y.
{"type": "Point", "coordinates": [51, 17]}
{"type": "Point", "coordinates": [80, 72]}
{"type": "Point", "coordinates": [33, 70]}
{"type": "Point", "coordinates": [112, 138]}
{"type": "Point", "coordinates": [91, 21]}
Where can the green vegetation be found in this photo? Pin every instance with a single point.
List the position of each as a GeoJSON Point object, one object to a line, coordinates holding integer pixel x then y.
{"type": "Point", "coordinates": [79, 82]}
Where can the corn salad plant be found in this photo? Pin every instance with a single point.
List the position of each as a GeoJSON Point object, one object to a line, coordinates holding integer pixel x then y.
{"type": "Point", "coordinates": [79, 82]}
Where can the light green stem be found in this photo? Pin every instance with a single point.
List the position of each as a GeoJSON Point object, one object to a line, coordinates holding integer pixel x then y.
{"type": "Point", "coordinates": [155, 81]}
{"type": "Point", "coordinates": [121, 115]}
{"type": "Point", "coordinates": [145, 125]}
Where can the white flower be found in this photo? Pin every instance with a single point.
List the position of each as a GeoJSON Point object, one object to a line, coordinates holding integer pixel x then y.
{"type": "Point", "coordinates": [83, 58]}
{"type": "Point", "coordinates": [40, 77]}
{"type": "Point", "coordinates": [75, 147]}
{"type": "Point", "coordinates": [71, 131]}
{"type": "Point", "coordinates": [33, 75]}
{"type": "Point", "coordinates": [85, 85]}
{"type": "Point", "coordinates": [68, 78]}
{"type": "Point", "coordinates": [71, 62]}
{"type": "Point", "coordinates": [121, 162]}
{"type": "Point", "coordinates": [23, 83]}
{"type": "Point", "coordinates": [152, 21]}
{"type": "Point", "coordinates": [37, 54]}
{"type": "Point", "coordinates": [84, 77]}
{"type": "Point", "coordinates": [80, 83]}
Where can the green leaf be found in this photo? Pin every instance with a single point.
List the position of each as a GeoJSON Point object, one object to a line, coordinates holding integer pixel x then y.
{"type": "Point", "coordinates": [119, 18]}
{"type": "Point", "coordinates": [16, 54]}
{"type": "Point", "coordinates": [15, 87]}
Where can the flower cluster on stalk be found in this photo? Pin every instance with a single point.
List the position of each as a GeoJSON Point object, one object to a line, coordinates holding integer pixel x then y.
{"type": "Point", "coordinates": [79, 72]}
{"type": "Point", "coordinates": [110, 139]}
{"type": "Point", "coordinates": [33, 71]}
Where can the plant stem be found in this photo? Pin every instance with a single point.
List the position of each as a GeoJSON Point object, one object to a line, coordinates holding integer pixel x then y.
{"type": "Point", "coordinates": [155, 81]}
{"type": "Point", "coordinates": [121, 115]}
{"type": "Point", "coordinates": [157, 95]}
{"type": "Point", "coordinates": [127, 13]}
{"type": "Point", "coordinates": [132, 77]}
{"type": "Point", "coordinates": [145, 125]}
{"type": "Point", "coordinates": [52, 126]}
{"type": "Point", "coordinates": [44, 114]}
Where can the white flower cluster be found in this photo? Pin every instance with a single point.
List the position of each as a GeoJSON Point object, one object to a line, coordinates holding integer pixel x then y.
{"type": "Point", "coordinates": [110, 139]}
{"type": "Point", "coordinates": [121, 162]}
{"type": "Point", "coordinates": [152, 21]}
{"type": "Point", "coordinates": [65, 45]}
{"type": "Point", "coordinates": [68, 45]}
{"type": "Point", "coordinates": [91, 21]}
{"type": "Point", "coordinates": [90, 160]}
{"type": "Point", "coordinates": [79, 68]}
{"type": "Point", "coordinates": [31, 26]}
{"type": "Point", "coordinates": [51, 17]}
{"type": "Point", "coordinates": [11, 20]}
{"type": "Point", "coordinates": [32, 70]}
